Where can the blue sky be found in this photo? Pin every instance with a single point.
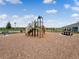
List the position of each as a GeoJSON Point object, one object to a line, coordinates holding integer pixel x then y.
{"type": "Point", "coordinates": [56, 13]}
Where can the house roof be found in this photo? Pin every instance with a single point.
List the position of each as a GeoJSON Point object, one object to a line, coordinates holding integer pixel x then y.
{"type": "Point", "coordinates": [73, 25]}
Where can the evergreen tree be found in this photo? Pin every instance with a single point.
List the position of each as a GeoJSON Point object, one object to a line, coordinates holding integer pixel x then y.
{"type": "Point", "coordinates": [8, 26]}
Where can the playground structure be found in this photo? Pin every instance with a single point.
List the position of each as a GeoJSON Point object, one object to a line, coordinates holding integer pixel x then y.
{"type": "Point", "coordinates": [67, 31]}
{"type": "Point", "coordinates": [36, 28]}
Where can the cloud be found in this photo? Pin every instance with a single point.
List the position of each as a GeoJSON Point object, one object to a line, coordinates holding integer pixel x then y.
{"type": "Point", "coordinates": [54, 2]}
{"type": "Point", "coordinates": [67, 5]}
{"type": "Point", "coordinates": [3, 19]}
{"type": "Point", "coordinates": [75, 15]}
{"type": "Point", "coordinates": [3, 16]}
{"type": "Point", "coordinates": [49, 1]}
{"type": "Point", "coordinates": [76, 2]}
{"type": "Point", "coordinates": [52, 11]}
{"type": "Point", "coordinates": [21, 21]}
{"type": "Point", "coordinates": [3, 2]}
{"type": "Point", "coordinates": [15, 16]}
{"type": "Point", "coordinates": [14, 1]}
{"type": "Point", "coordinates": [51, 23]}
{"type": "Point", "coordinates": [24, 9]}
{"type": "Point", "coordinates": [56, 23]}
{"type": "Point", "coordinates": [75, 8]}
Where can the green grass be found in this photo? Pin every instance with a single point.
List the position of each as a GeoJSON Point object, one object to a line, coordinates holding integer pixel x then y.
{"type": "Point", "coordinates": [12, 29]}
{"type": "Point", "coordinates": [53, 29]}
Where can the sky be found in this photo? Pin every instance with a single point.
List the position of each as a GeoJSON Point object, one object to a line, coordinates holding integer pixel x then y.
{"type": "Point", "coordinates": [55, 13]}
